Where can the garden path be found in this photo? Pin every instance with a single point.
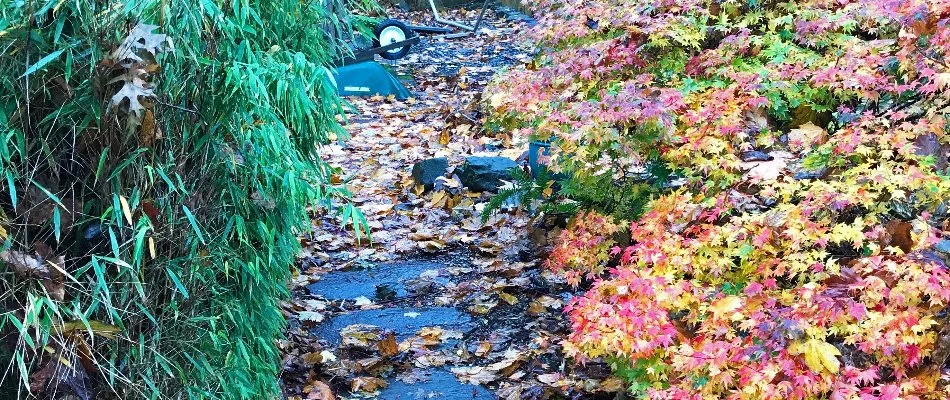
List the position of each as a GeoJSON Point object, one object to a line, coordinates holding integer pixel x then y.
{"type": "Point", "coordinates": [440, 305]}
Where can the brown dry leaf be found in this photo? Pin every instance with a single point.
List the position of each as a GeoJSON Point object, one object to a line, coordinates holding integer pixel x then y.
{"type": "Point", "coordinates": [507, 366]}
{"type": "Point", "coordinates": [612, 385]}
{"type": "Point", "coordinates": [441, 199]}
{"type": "Point", "coordinates": [360, 335]}
{"type": "Point", "coordinates": [39, 379]}
{"type": "Point", "coordinates": [388, 346]}
{"type": "Point", "coordinates": [483, 307]}
{"type": "Point", "coordinates": [432, 245]}
{"type": "Point", "coordinates": [536, 308]}
{"type": "Point", "coordinates": [132, 93]}
{"type": "Point", "coordinates": [489, 247]}
{"type": "Point", "coordinates": [312, 358]}
{"type": "Point", "coordinates": [431, 335]}
{"type": "Point", "coordinates": [369, 363]}
{"type": "Point", "coordinates": [149, 132]}
{"type": "Point", "coordinates": [421, 236]}
{"type": "Point", "coordinates": [899, 235]}
{"type": "Point", "coordinates": [806, 136]}
{"type": "Point", "coordinates": [317, 390]}
{"type": "Point", "coordinates": [367, 384]}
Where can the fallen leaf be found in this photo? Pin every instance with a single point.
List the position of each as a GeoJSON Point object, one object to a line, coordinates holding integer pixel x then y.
{"type": "Point", "coordinates": [725, 306]}
{"type": "Point", "coordinates": [819, 355]}
{"type": "Point", "coordinates": [367, 384]}
{"type": "Point", "coordinates": [549, 379]}
{"type": "Point", "coordinates": [388, 346]}
{"type": "Point", "coordinates": [311, 316]}
{"type": "Point", "coordinates": [806, 136]}
{"type": "Point", "coordinates": [510, 299]}
{"type": "Point", "coordinates": [319, 391]}
{"type": "Point", "coordinates": [327, 356]}
{"type": "Point", "coordinates": [475, 375]}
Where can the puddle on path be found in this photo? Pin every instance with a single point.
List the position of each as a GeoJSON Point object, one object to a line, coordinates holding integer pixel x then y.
{"type": "Point", "coordinates": [348, 285]}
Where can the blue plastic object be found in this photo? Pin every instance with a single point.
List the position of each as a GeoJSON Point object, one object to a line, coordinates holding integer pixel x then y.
{"type": "Point", "coordinates": [368, 78]}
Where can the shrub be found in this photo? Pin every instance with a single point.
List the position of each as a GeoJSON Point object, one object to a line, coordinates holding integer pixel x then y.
{"type": "Point", "coordinates": [154, 178]}
{"type": "Point", "coordinates": [804, 273]}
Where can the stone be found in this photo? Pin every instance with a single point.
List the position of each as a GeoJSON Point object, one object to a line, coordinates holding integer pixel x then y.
{"type": "Point", "coordinates": [425, 172]}
{"type": "Point", "coordinates": [484, 174]}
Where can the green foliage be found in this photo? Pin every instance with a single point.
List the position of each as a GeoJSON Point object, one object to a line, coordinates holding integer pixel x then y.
{"type": "Point", "coordinates": [530, 193]}
{"type": "Point", "coordinates": [148, 237]}
{"type": "Point", "coordinates": [638, 374]}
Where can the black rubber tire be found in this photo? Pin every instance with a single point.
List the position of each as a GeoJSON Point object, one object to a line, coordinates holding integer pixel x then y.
{"type": "Point", "coordinates": [379, 29]}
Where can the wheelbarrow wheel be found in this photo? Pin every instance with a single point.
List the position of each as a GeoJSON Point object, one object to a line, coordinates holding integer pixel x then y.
{"type": "Point", "coordinates": [390, 31]}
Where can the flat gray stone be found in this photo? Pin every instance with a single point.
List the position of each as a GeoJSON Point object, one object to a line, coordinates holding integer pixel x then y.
{"type": "Point", "coordinates": [484, 174]}
{"type": "Point", "coordinates": [425, 172]}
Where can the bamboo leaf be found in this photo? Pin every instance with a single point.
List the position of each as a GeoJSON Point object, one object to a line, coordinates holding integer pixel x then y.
{"type": "Point", "coordinates": [177, 282]}
{"type": "Point", "coordinates": [194, 223]}
{"type": "Point", "coordinates": [42, 63]}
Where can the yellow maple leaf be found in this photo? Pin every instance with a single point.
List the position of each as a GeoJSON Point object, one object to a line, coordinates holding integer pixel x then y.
{"type": "Point", "coordinates": [819, 355]}
{"type": "Point", "coordinates": [726, 305]}
{"type": "Point", "coordinates": [496, 99]}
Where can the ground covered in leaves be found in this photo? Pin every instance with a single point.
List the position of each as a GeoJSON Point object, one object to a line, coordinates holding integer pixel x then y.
{"type": "Point", "coordinates": [439, 304]}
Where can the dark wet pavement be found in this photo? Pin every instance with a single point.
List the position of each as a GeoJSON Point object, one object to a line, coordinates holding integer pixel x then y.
{"type": "Point", "coordinates": [399, 281]}
{"type": "Point", "coordinates": [436, 384]}
{"type": "Point", "coordinates": [349, 285]}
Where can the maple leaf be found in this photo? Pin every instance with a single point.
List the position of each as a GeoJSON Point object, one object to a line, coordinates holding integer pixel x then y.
{"type": "Point", "coordinates": [725, 306]}
{"type": "Point", "coordinates": [806, 136]}
{"type": "Point", "coordinates": [819, 355]}
{"type": "Point", "coordinates": [942, 80]}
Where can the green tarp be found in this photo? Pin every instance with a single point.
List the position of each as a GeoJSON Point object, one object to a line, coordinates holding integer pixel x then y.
{"type": "Point", "coordinates": [368, 78]}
